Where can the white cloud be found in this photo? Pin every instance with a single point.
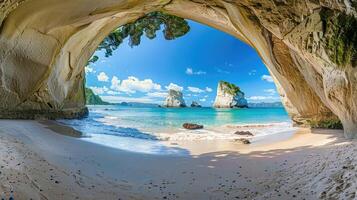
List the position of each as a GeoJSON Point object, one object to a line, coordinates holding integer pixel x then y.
{"type": "Point", "coordinates": [118, 99]}
{"type": "Point", "coordinates": [270, 91]}
{"type": "Point", "coordinates": [198, 90]}
{"type": "Point", "coordinates": [203, 100]}
{"type": "Point", "coordinates": [195, 89]}
{"type": "Point", "coordinates": [133, 84]}
{"type": "Point", "coordinates": [263, 98]}
{"type": "Point", "coordinates": [115, 83]}
{"type": "Point", "coordinates": [111, 92]}
{"type": "Point", "coordinates": [190, 71]}
{"type": "Point", "coordinates": [267, 78]}
{"type": "Point", "coordinates": [157, 94]}
{"type": "Point", "coordinates": [102, 77]}
{"type": "Point", "coordinates": [222, 71]}
{"type": "Point", "coordinates": [173, 86]}
{"type": "Point", "coordinates": [252, 72]}
{"type": "Point", "coordinates": [99, 90]}
{"type": "Point", "coordinates": [88, 69]}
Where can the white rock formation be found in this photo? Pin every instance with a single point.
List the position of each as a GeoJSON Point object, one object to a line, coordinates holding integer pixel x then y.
{"type": "Point", "coordinates": [229, 96]}
{"type": "Point", "coordinates": [45, 46]}
{"type": "Point", "coordinates": [174, 99]}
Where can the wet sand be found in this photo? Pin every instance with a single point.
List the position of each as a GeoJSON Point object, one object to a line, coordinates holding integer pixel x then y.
{"type": "Point", "coordinates": [38, 163]}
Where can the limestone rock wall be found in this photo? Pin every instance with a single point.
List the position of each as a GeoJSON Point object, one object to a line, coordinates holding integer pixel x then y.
{"type": "Point", "coordinates": [174, 99]}
{"type": "Point", "coordinates": [226, 98]}
{"type": "Point", "coordinates": [306, 45]}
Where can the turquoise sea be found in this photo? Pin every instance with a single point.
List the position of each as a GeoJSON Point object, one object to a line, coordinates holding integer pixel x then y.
{"type": "Point", "coordinates": [121, 126]}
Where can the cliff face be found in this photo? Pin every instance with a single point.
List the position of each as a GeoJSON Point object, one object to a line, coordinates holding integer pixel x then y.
{"type": "Point", "coordinates": [93, 99]}
{"type": "Point", "coordinates": [229, 96]}
{"type": "Point", "coordinates": [174, 99]}
{"type": "Point", "coordinates": [309, 48]}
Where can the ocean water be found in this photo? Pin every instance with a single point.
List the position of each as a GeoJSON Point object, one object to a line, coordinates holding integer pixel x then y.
{"type": "Point", "coordinates": [141, 129]}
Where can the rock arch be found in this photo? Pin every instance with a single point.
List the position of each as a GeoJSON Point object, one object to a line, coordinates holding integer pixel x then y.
{"type": "Point", "coordinates": [45, 44]}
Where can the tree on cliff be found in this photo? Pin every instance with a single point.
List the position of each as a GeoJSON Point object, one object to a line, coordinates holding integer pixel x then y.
{"type": "Point", "coordinates": [173, 27]}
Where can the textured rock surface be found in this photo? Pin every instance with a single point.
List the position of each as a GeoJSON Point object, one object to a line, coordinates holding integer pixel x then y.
{"type": "Point", "coordinates": [195, 104]}
{"type": "Point", "coordinates": [192, 126]}
{"type": "Point", "coordinates": [305, 44]}
{"type": "Point", "coordinates": [174, 99]}
{"type": "Point", "coordinates": [229, 96]}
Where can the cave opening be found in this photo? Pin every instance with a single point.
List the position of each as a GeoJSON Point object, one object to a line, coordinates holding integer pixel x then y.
{"type": "Point", "coordinates": [308, 49]}
{"type": "Point", "coordinates": [150, 77]}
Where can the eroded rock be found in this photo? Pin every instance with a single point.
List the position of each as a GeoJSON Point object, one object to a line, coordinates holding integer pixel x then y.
{"type": "Point", "coordinates": [244, 133]}
{"type": "Point", "coordinates": [174, 99]}
{"type": "Point", "coordinates": [309, 48]}
{"type": "Point", "coordinates": [191, 126]}
{"type": "Point", "coordinates": [243, 140]}
{"type": "Point", "coordinates": [229, 96]}
{"type": "Point", "coordinates": [195, 104]}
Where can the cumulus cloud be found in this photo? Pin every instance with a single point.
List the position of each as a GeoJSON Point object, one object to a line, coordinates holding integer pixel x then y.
{"type": "Point", "coordinates": [208, 89]}
{"type": "Point", "coordinates": [133, 84]}
{"type": "Point", "coordinates": [270, 91]}
{"type": "Point", "coordinates": [190, 71]}
{"type": "Point", "coordinates": [157, 94]}
{"type": "Point", "coordinates": [195, 89]}
{"type": "Point", "coordinates": [115, 83]}
{"type": "Point", "coordinates": [267, 78]}
{"type": "Point", "coordinates": [173, 86]}
{"type": "Point", "coordinates": [99, 90]}
{"type": "Point", "coordinates": [103, 77]}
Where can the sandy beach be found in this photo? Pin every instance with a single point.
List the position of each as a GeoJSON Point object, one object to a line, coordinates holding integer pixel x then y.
{"type": "Point", "coordinates": [39, 163]}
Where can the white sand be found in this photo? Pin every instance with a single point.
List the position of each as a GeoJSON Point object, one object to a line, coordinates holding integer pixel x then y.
{"type": "Point", "coordinates": [39, 163]}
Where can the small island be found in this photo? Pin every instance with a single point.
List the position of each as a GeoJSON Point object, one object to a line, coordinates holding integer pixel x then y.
{"type": "Point", "coordinates": [229, 96]}
{"type": "Point", "coordinates": [174, 99]}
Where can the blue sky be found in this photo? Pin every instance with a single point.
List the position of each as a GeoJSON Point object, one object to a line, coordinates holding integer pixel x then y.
{"type": "Point", "coordinates": [193, 63]}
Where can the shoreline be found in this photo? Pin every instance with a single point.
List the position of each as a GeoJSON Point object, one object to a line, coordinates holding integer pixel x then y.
{"type": "Point", "coordinates": [209, 136]}
{"type": "Point", "coordinates": [39, 163]}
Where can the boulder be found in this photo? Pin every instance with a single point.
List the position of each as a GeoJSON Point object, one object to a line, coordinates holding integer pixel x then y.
{"type": "Point", "coordinates": [191, 126]}
{"type": "Point", "coordinates": [243, 140]}
{"type": "Point", "coordinates": [174, 99]}
{"type": "Point", "coordinates": [229, 96]}
{"type": "Point", "coordinates": [244, 133]}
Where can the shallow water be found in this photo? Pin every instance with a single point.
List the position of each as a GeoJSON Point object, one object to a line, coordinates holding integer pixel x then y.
{"type": "Point", "coordinates": [141, 129]}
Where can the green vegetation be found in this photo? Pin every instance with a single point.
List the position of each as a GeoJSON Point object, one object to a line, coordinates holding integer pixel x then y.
{"type": "Point", "coordinates": [330, 124]}
{"type": "Point", "coordinates": [93, 99]}
{"type": "Point", "coordinates": [340, 32]}
{"type": "Point", "coordinates": [354, 4]}
{"type": "Point", "coordinates": [230, 88]}
{"type": "Point", "coordinates": [173, 27]}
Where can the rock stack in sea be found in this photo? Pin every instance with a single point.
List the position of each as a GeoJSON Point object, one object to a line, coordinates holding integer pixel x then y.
{"type": "Point", "coordinates": [174, 99]}
{"type": "Point", "coordinates": [229, 96]}
{"type": "Point", "coordinates": [195, 104]}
